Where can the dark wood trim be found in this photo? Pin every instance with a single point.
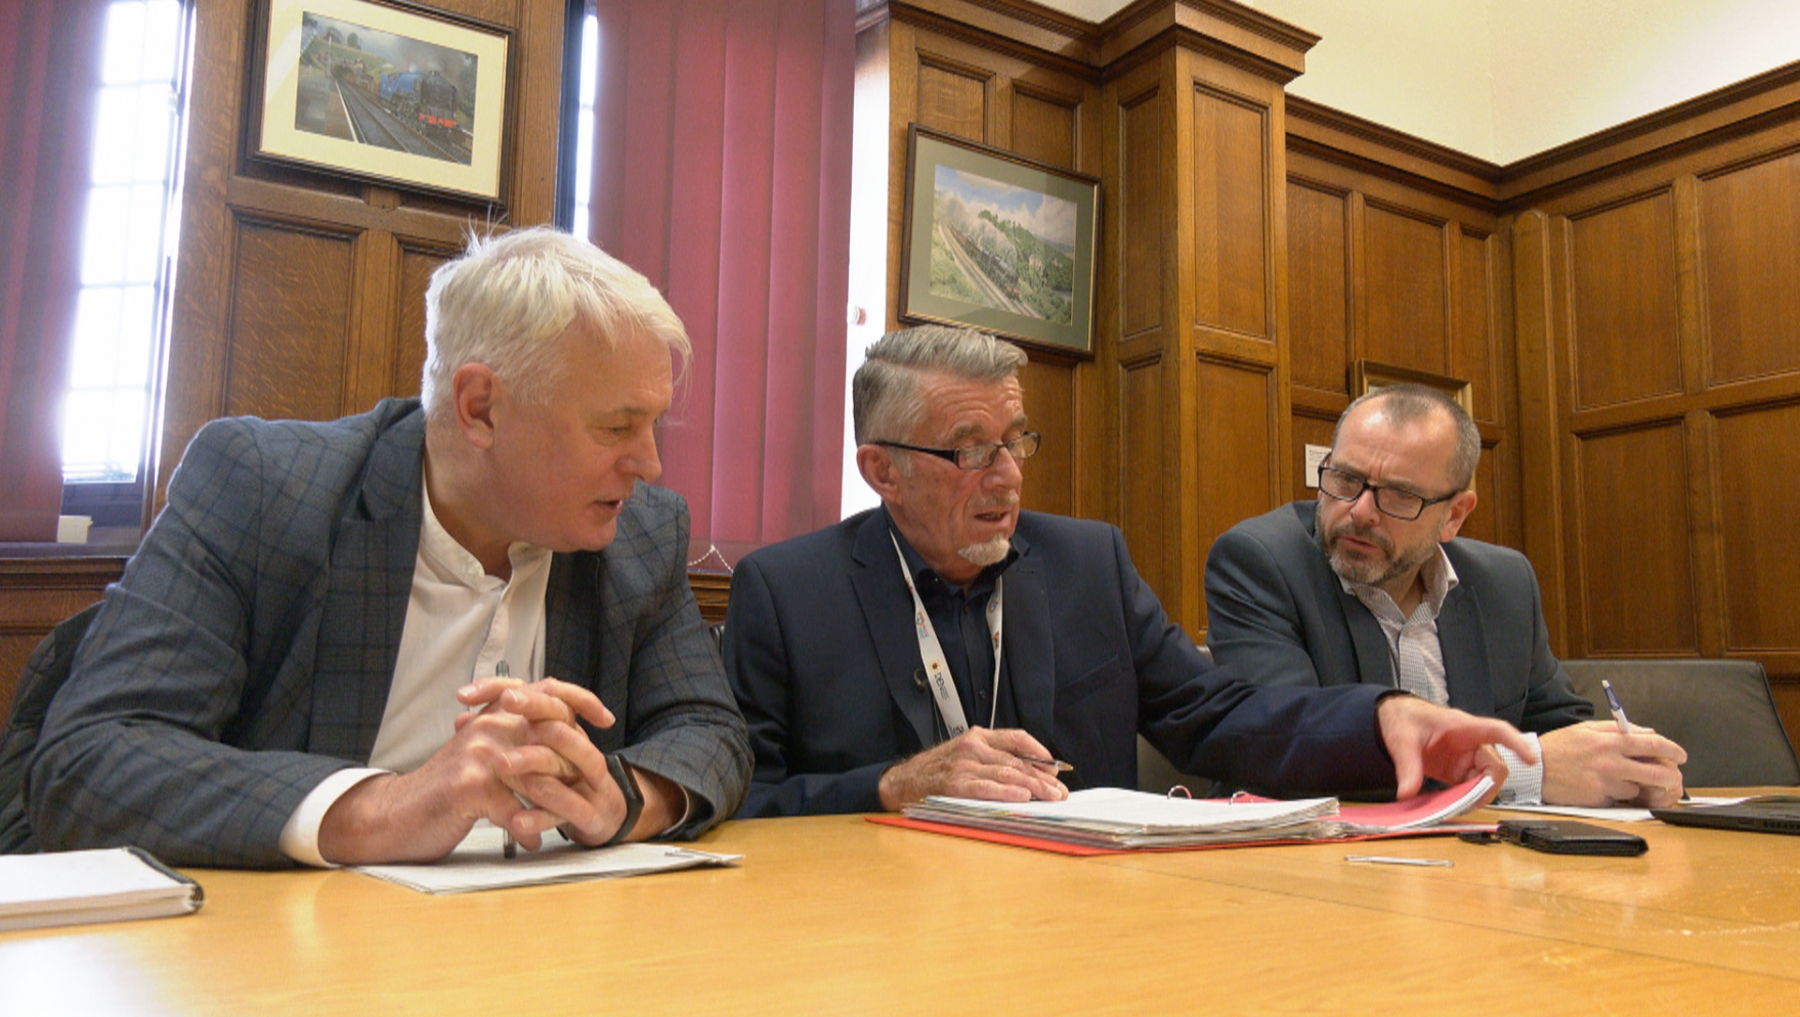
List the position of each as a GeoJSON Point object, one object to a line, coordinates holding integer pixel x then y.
{"type": "Point", "coordinates": [712, 591]}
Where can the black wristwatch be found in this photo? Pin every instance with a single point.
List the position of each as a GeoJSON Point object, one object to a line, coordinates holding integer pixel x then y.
{"type": "Point", "coordinates": [634, 797]}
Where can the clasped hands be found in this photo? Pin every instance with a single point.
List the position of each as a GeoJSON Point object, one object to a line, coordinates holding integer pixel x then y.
{"type": "Point", "coordinates": [518, 744]}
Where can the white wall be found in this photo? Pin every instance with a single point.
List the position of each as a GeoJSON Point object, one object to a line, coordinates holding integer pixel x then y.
{"type": "Point", "coordinates": [1608, 61]}
{"type": "Point", "coordinates": [1504, 79]}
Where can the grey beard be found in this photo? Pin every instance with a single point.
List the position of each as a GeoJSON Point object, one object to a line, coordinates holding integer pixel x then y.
{"type": "Point", "coordinates": [988, 552]}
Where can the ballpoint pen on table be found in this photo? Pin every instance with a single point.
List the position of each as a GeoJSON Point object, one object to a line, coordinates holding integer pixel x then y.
{"type": "Point", "coordinates": [1442, 863]}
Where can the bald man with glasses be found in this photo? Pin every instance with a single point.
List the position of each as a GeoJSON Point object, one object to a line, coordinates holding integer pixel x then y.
{"type": "Point", "coordinates": [1370, 584]}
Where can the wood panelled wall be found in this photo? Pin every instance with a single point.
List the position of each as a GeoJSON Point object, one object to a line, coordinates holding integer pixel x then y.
{"type": "Point", "coordinates": [1397, 253]}
{"type": "Point", "coordinates": [1627, 309]}
{"type": "Point", "coordinates": [301, 294]}
{"type": "Point", "coordinates": [1666, 355]}
{"type": "Point", "coordinates": [1178, 426]}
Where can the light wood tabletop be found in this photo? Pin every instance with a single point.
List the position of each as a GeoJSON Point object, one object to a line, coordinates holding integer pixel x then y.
{"type": "Point", "coordinates": [835, 915]}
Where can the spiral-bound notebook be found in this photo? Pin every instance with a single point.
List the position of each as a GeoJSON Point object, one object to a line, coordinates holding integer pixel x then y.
{"type": "Point", "coordinates": [76, 887]}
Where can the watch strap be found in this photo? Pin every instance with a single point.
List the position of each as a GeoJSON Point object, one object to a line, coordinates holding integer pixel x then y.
{"type": "Point", "coordinates": [634, 797]}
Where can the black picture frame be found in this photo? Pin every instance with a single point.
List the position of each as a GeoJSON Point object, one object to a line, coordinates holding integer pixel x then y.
{"type": "Point", "coordinates": [995, 241]}
{"type": "Point", "coordinates": [386, 91]}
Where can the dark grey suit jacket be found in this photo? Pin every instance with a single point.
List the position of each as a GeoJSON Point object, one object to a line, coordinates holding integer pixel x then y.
{"type": "Point", "coordinates": [1276, 609]}
{"type": "Point", "coordinates": [247, 652]}
{"type": "Point", "coordinates": [822, 654]}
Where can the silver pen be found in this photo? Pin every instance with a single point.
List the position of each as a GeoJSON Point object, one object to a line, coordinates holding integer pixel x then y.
{"type": "Point", "coordinates": [1443, 863]}
{"type": "Point", "coordinates": [509, 848]}
{"type": "Point", "coordinates": [1612, 703]}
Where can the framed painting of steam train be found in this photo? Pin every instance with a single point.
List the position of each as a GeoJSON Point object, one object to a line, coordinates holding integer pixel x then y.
{"type": "Point", "coordinates": [385, 91]}
{"type": "Point", "coordinates": [998, 242]}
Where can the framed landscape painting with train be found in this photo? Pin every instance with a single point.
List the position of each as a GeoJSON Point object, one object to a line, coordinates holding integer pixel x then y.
{"type": "Point", "coordinates": [386, 91]}
{"type": "Point", "coordinates": [998, 242]}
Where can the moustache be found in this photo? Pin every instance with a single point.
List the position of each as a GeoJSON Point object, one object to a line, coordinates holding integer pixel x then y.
{"type": "Point", "coordinates": [991, 503]}
{"type": "Point", "coordinates": [1364, 533]}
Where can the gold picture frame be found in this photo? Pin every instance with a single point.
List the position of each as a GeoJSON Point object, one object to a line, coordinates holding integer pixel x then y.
{"type": "Point", "coordinates": [384, 90]}
{"type": "Point", "coordinates": [1368, 375]}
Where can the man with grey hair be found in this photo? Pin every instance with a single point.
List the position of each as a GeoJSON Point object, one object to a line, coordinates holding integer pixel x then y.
{"type": "Point", "coordinates": [949, 643]}
{"type": "Point", "coordinates": [1370, 584]}
{"type": "Point", "coordinates": [348, 642]}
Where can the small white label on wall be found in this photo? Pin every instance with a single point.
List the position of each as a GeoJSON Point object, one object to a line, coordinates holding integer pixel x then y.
{"type": "Point", "coordinates": [1315, 454]}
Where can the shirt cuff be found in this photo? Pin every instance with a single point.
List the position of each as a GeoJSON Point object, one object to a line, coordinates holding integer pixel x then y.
{"type": "Point", "coordinates": [1524, 784]}
{"type": "Point", "coordinates": [300, 835]}
{"type": "Point", "coordinates": [687, 813]}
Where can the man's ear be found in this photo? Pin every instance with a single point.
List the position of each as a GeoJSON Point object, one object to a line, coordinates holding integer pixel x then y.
{"type": "Point", "coordinates": [1460, 507]}
{"type": "Point", "coordinates": [474, 393]}
{"type": "Point", "coordinates": [877, 467]}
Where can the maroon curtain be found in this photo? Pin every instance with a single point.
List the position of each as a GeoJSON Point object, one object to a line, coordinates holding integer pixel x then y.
{"type": "Point", "coordinates": [49, 76]}
{"type": "Point", "coordinates": [722, 172]}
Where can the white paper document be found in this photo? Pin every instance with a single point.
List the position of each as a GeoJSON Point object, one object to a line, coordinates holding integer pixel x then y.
{"type": "Point", "coordinates": [477, 864]}
{"type": "Point", "coordinates": [104, 885]}
{"type": "Point", "coordinates": [1616, 813]}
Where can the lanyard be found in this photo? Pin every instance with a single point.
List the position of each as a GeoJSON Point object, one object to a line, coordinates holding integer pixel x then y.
{"type": "Point", "coordinates": [931, 652]}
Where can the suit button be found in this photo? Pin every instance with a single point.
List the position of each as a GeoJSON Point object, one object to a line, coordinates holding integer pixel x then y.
{"type": "Point", "coordinates": [919, 679]}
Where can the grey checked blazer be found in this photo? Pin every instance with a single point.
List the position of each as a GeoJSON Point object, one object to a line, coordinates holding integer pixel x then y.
{"type": "Point", "coordinates": [247, 651]}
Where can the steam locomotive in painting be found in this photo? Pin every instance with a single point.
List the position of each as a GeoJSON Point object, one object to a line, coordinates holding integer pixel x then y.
{"type": "Point", "coordinates": [424, 98]}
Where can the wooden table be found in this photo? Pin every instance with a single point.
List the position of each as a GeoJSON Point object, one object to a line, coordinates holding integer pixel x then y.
{"type": "Point", "coordinates": [835, 915]}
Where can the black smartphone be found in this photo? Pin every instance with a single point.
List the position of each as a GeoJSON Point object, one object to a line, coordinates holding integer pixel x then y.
{"type": "Point", "coordinates": [1562, 837]}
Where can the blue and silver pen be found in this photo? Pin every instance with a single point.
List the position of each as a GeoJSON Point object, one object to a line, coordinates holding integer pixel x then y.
{"type": "Point", "coordinates": [509, 848]}
{"type": "Point", "coordinates": [1612, 703]}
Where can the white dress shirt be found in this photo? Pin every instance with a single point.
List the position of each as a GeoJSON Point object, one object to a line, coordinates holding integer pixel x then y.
{"type": "Point", "coordinates": [460, 624]}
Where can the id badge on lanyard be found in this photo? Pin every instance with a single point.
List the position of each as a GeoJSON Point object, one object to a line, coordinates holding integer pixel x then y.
{"type": "Point", "coordinates": [931, 652]}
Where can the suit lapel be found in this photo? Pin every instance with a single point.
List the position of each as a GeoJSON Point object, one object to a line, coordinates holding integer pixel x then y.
{"type": "Point", "coordinates": [1461, 639]}
{"type": "Point", "coordinates": [1374, 664]}
{"type": "Point", "coordinates": [372, 561]}
{"type": "Point", "coordinates": [881, 593]}
{"type": "Point", "coordinates": [1028, 644]}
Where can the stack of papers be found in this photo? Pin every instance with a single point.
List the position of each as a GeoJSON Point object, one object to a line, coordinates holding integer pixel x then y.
{"type": "Point", "coordinates": [76, 887]}
{"type": "Point", "coordinates": [478, 864]}
{"type": "Point", "coordinates": [1113, 818]}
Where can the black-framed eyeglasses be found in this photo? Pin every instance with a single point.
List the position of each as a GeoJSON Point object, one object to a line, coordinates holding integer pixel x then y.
{"type": "Point", "coordinates": [1389, 501]}
{"type": "Point", "coordinates": [976, 457]}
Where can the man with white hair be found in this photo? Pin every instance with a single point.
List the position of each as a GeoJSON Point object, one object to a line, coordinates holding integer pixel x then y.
{"type": "Point", "coordinates": [327, 649]}
{"type": "Point", "coordinates": [948, 643]}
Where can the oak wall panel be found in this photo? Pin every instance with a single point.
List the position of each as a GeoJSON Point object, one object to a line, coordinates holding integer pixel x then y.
{"type": "Point", "coordinates": [290, 317]}
{"type": "Point", "coordinates": [1758, 461]}
{"type": "Point", "coordinates": [953, 98]}
{"type": "Point", "coordinates": [1143, 213]}
{"type": "Point", "coordinates": [1637, 592]}
{"type": "Point", "coordinates": [408, 342]}
{"type": "Point", "coordinates": [1235, 467]}
{"type": "Point", "coordinates": [1474, 348]}
{"type": "Point", "coordinates": [1626, 341]}
{"type": "Point", "coordinates": [1406, 290]}
{"type": "Point", "coordinates": [1144, 503]}
{"type": "Point", "coordinates": [1231, 213]}
{"type": "Point", "coordinates": [1050, 402]}
{"type": "Point", "coordinates": [1484, 522]}
{"type": "Point", "coordinates": [1044, 127]}
{"type": "Point", "coordinates": [1750, 217]}
{"type": "Point", "coordinates": [1318, 286]}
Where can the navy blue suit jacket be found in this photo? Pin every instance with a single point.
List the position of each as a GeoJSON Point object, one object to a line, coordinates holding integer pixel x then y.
{"type": "Point", "coordinates": [822, 654]}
